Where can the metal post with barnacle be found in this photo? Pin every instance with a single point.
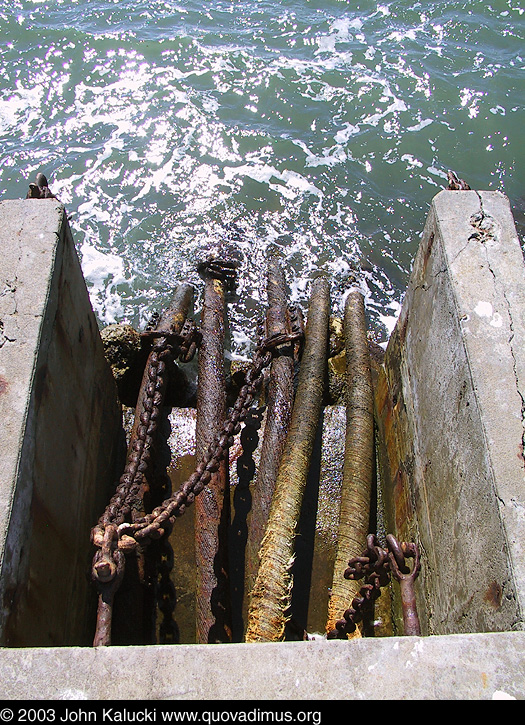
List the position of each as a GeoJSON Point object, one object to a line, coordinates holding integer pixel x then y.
{"type": "Point", "coordinates": [354, 508]}
{"type": "Point", "coordinates": [270, 597]}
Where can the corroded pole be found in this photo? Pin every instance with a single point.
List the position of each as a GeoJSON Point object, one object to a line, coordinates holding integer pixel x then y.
{"type": "Point", "coordinates": [356, 491]}
{"type": "Point", "coordinates": [212, 507]}
{"type": "Point", "coordinates": [278, 415]}
{"type": "Point", "coordinates": [270, 597]}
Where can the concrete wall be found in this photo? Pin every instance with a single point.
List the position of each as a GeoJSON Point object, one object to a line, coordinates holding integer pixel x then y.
{"type": "Point", "coordinates": [60, 421]}
{"type": "Point", "coordinates": [453, 667]}
{"type": "Point", "coordinates": [451, 405]}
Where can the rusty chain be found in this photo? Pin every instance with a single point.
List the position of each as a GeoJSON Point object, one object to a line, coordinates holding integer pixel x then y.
{"type": "Point", "coordinates": [162, 518]}
{"type": "Point", "coordinates": [166, 347]}
{"type": "Point", "coordinates": [116, 536]}
{"type": "Point", "coordinates": [376, 565]}
{"type": "Point", "coordinates": [127, 498]}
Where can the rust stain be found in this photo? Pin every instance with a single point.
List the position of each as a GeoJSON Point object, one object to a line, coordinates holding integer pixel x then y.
{"type": "Point", "coordinates": [494, 594]}
{"type": "Point", "coordinates": [399, 496]}
{"type": "Point", "coordinates": [3, 385]}
{"type": "Point", "coordinates": [382, 400]}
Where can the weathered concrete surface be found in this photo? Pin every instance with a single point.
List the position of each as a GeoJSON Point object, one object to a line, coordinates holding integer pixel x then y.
{"type": "Point", "coordinates": [451, 409]}
{"type": "Point", "coordinates": [450, 398]}
{"type": "Point", "coordinates": [454, 667]}
{"type": "Point", "coordinates": [60, 420]}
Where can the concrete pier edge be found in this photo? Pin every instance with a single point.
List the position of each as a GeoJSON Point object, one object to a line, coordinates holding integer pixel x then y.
{"type": "Point", "coordinates": [450, 409]}
{"type": "Point", "coordinates": [450, 667]}
{"type": "Point", "coordinates": [468, 289]}
{"type": "Point", "coordinates": [60, 420]}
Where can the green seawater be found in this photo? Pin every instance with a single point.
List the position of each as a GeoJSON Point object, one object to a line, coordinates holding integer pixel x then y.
{"type": "Point", "coordinates": [318, 131]}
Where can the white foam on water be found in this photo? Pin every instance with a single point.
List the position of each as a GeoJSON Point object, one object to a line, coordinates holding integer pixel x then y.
{"type": "Point", "coordinates": [345, 133]}
{"type": "Point", "coordinates": [390, 321]}
{"type": "Point", "coordinates": [103, 273]}
{"type": "Point", "coordinates": [320, 132]}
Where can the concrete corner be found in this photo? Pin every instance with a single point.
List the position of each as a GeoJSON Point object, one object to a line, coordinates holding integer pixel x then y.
{"type": "Point", "coordinates": [60, 419]}
{"type": "Point", "coordinates": [451, 404]}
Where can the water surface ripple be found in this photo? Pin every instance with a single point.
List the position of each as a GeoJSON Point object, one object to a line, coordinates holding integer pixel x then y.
{"type": "Point", "coordinates": [317, 131]}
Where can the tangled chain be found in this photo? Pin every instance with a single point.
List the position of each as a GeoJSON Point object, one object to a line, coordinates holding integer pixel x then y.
{"type": "Point", "coordinates": [113, 533]}
{"type": "Point", "coordinates": [161, 519]}
{"type": "Point", "coordinates": [127, 498]}
{"type": "Point", "coordinates": [375, 566]}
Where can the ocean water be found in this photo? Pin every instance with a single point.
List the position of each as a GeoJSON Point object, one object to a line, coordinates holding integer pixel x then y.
{"type": "Point", "coordinates": [317, 131]}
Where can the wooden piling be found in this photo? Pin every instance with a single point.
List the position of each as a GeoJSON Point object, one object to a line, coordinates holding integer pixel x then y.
{"type": "Point", "coordinates": [354, 514]}
{"type": "Point", "coordinates": [278, 416]}
{"type": "Point", "coordinates": [270, 597]}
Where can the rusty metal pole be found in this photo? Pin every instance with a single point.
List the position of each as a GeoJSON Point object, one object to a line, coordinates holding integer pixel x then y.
{"type": "Point", "coordinates": [278, 415]}
{"type": "Point", "coordinates": [212, 507]}
{"type": "Point", "coordinates": [128, 501]}
{"type": "Point", "coordinates": [401, 572]}
{"type": "Point", "coordinates": [356, 490]}
{"type": "Point", "coordinates": [271, 594]}
{"type": "Point", "coordinates": [109, 567]}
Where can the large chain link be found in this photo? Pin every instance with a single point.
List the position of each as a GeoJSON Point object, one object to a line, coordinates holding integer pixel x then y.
{"type": "Point", "coordinates": [375, 566]}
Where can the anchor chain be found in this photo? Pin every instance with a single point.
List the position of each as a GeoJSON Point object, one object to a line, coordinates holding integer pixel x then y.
{"type": "Point", "coordinates": [113, 534]}
{"type": "Point", "coordinates": [376, 565]}
{"type": "Point", "coordinates": [109, 562]}
{"type": "Point", "coordinates": [162, 518]}
{"type": "Point", "coordinates": [127, 498]}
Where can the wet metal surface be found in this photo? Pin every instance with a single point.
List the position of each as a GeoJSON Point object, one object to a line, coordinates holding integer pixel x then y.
{"type": "Point", "coordinates": [327, 519]}
{"type": "Point", "coordinates": [270, 597]}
